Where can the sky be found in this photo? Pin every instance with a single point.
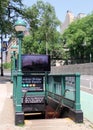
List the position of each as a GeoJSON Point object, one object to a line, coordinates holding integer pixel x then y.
{"type": "Point", "coordinates": [61, 6]}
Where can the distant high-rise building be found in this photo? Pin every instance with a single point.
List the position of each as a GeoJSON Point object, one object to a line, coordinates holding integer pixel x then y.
{"type": "Point", "coordinates": [80, 15]}
{"type": "Point", "coordinates": [69, 18]}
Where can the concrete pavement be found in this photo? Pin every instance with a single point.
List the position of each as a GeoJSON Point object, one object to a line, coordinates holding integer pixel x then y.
{"type": "Point", "coordinates": [3, 94]}
{"type": "Point", "coordinates": [7, 115]}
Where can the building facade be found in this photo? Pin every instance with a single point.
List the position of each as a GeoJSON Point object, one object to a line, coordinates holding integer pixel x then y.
{"type": "Point", "coordinates": [10, 49]}
{"type": "Point", "coordinates": [69, 18]}
{"type": "Point", "coordinates": [13, 46]}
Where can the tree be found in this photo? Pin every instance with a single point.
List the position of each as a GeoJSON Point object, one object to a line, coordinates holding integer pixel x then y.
{"type": "Point", "coordinates": [43, 25]}
{"type": "Point", "coordinates": [9, 11]}
{"type": "Point", "coordinates": [79, 39]}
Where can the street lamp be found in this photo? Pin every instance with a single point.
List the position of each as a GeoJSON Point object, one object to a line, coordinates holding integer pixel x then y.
{"type": "Point", "coordinates": [20, 27]}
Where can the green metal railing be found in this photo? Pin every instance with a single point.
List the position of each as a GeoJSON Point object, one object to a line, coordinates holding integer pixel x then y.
{"type": "Point", "coordinates": [65, 88]}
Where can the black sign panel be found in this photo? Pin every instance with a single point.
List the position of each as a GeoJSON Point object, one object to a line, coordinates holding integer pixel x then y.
{"type": "Point", "coordinates": [35, 63]}
{"type": "Point", "coordinates": [4, 46]}
{"type": "Point", "coordinates": [34, 99]}
{"type": "Point", "coordinates": [32, 83]}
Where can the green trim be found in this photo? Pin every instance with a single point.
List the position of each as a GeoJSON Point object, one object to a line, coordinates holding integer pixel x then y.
{"type": "Point", "coordinates": [20, 23]}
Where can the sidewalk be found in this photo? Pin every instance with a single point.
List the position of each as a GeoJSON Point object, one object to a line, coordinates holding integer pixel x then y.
{"type": "Point", "coordinates": [7, 115]}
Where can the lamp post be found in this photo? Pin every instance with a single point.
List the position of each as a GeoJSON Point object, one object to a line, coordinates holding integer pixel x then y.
{"type": "Point", "coordinates": [2, 74]}
{"type": "Point", "coordinates": [13, 64]}
{"type": "Point", "coordinates": [13, 60]}
{"type": "Point", "coordinates": [20, 27]}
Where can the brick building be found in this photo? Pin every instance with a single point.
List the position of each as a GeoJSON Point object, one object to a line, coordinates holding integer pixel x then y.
{"type": "Point", "coordinates": [12, 42]}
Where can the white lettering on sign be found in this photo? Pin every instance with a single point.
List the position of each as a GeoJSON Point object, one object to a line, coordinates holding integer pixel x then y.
{"type": "Point", "coordinates": [30, 99]}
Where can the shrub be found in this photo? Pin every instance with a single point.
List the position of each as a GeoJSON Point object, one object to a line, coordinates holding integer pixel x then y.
{"type": "Point", "coordinates": [7, 65]}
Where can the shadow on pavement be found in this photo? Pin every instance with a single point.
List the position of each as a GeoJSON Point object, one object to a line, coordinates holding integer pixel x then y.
{"type": "Point", "coordinates": [4, 79]}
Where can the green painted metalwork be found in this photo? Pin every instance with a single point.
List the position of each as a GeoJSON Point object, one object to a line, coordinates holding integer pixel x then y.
{"type": "Point", "coordinates": [46, 85]}
{"type": "Point", "coordinates": [70, 89]}
{"type": "Point", "coordinates": [77, 93]}
{"type": "Point", "coordinates": [18, 107]}
{"type": "Point", "coordinates": [19, 79]}
{"type": "Point", "coordinates": [18, 75]}
{"type": "Point", "coordinates": [11, 67]}
{"type": "Point", "coordinates": [20, 23]}
{"type": "Point", "coordinates": [14, 86]}
{"type": "Point", "coordinates": [63, 88]}
{"type": "Point", "coordinates": [13, 57]}
{"type": "Point", "coordinates": [14, 47]}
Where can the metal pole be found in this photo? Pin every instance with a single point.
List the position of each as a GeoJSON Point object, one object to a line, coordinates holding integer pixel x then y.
{"type": "Point", "coordinates": [1, 57]}
{"type": "Point", "coordinates": [19, 55]}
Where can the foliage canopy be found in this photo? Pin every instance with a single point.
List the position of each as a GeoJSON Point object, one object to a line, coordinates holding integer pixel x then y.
{"type": "Point", "coordinates": [44, 37]}
{"type": "Point", "coordinates": [9, 11]}
{"type": "Point", "coordinates": [79, 39]}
